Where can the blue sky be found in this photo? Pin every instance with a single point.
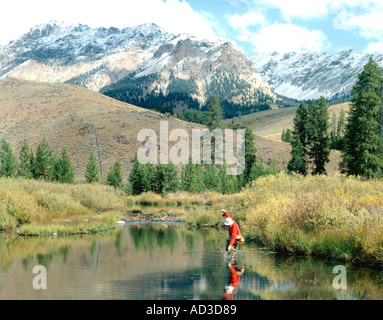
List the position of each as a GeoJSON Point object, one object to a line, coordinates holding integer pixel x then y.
{"type": "Point", "coordinates": [252, 25]}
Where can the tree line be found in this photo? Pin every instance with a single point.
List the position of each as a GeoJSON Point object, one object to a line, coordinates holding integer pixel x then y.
{"type": "Point", "coordinates": [161, 178]}
{"type": "Point", "coordinates": [359, 137]}
{"type": "Point", "coordinates": [47, 165]}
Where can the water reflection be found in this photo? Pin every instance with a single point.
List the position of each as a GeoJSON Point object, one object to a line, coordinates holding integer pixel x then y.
{"type": "Point", "coordinates": [235, 274]}
{"type": "Point", "coordinates": [169, 262]}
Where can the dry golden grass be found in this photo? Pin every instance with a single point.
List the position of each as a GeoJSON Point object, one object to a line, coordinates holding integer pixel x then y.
{"type": "Point", "coordinates": [193, 209]}
{"type": "Point", "coordinates": [333, 216]}
{"type": "Point", "coordinates": [36, 207]}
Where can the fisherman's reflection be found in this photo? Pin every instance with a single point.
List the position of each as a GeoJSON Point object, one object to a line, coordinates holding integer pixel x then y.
{"type": "Point", "coordinates": [234, 275]}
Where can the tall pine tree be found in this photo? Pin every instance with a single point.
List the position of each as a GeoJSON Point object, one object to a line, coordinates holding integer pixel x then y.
{"type": "Point", "coordinates": [43, 161]}
{"type": "Point", "coordinates": [141, 177]}
{"type": "Point", "coordinates": [301, 124]}
{"type": "Point", "coordinates": [250, 154]}
{"type": "Point", "coordinates": [165, 179]}
{"type": "Point", "coordinates": [25, 168]}
{"type": "Point", "coordinates": [362, 154]}
{"type": "Point", "coordinates": [297, 163]}
{"type": "Point", "coordinates": [114, 176]}
{"type": "Point", "coordinates": [8, 164]}
{"type": "Point", "coordinates": [215, 115]}
{"type": "Point", "coordinates": [319, 142]}
{"type": "Point", "coordinates": [66, 174]}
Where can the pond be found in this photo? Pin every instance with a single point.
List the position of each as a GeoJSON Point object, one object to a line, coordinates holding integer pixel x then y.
{"type": "Point", "coordinates": [169, 262]}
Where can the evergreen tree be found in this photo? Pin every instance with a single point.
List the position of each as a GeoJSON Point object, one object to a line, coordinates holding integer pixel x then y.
{"type": "Point", "coordinates": [7, 160]}
{"type": "Point", "coordinates": [224, 181]}
{"type": "Point", "coordinates": [297, 163]}
{"type": "Point", "coordinates": [210, 177]}
{"type": "Point", "coordinates": [114, 176]}
{"type": "Point", "coordinates": [165, 179]}
{"type": "Point", "coordinates": [288, 136]}
{"type": "Point", "coordinates": [55, 171]}
{"type": "Point", "coordinates": [319, 141]}
{"type": "Point", "coordinates": [227, 184]}
{"type": "Point", "coordinates": [257, 170]}
{"type": "Point", "coordinates": [301, 124]}
{"type": "Point", "coordinates": [172, 178]}
{"type": "Point", "coordinates": [215, 115]}
{"type": "Point", "coordinates": [135, 178]}
{"type": "Point", "coordinates": [362, 154]}
{"type": "Point", "coordinates": [66, 173]}
{"type": "Point", "coordinates": [61, 169]}
{"type": "Point", "coordinates": [92, 171]}
{"type": "Point", "coordinates": [192, 178]}
{"type": "Point", "coordinates": [232, 186]}
{"type": "Point", "coordinates": [43, 161]}
{"type": "Point", "coordinates": [141, 178]}
{"type": "Point", "coordinates": [147, 177]}
{"type": "Point", "coordinates": [250, 153]}
{"type": "Point", "coordinates": [25, 168]}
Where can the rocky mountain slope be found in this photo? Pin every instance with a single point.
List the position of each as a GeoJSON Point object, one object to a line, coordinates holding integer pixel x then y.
{"type": "Point", "coordinates": [144, 62]}
{"type": "Point", "coordinates": [305, 76]}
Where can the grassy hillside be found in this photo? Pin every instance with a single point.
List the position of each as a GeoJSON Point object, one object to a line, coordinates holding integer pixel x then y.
{"type": "Point", "coordinates": [85, 121]}
{"type": "Point", "coordinates": [78, 119]}
{"type": "Point", "coordinates": [268, 126]}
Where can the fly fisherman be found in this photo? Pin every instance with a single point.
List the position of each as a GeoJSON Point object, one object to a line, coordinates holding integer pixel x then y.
{"type": "Point", "coordinates": [235, 236]}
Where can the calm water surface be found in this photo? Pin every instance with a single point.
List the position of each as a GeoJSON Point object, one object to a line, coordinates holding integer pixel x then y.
{"type": "Point", "coordinates": [154, 261]}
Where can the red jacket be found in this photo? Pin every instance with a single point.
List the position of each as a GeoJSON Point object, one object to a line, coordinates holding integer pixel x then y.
{"type": "Point", "coordinates": [233, 230]}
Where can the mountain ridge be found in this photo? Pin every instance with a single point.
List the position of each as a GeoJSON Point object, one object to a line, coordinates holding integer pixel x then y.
{"type": "Point", "coordinates": [306, 76]}
{"type": "Point", "coordinates": [98, 57]}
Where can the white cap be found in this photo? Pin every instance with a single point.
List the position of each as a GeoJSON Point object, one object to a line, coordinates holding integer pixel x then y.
{"type": "Point", "coordinates": [229, 222]}
{"type": "Point", "coordinates": [229, 289]}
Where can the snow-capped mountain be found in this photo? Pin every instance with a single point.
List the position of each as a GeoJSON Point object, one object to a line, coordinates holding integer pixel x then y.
{"type": "Point", "coordinates": [305, 76]}
{"type": "Point", "coordinates": [98, 57]}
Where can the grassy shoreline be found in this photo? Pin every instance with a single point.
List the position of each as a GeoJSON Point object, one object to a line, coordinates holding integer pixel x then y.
{"type": "Point", "coordinates": [335, 217]}
{"type": "Point", "coordinates": [332, 217]}
{"type": "Point", "coordinates": [35, 208]}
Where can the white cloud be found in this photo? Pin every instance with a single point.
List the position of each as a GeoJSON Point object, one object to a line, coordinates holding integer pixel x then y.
{"type": "Point", "coordinates": [176, 16]}
{"type": "Point", "coordinates": [284, 38]}
{"type": "Point", "coordinates": [246, 20]}
{"type": "Point", "coordinates": [375, 48]}
{"type": "Point", "coordinates": [243, 22]}
{"type": "Point", "coordinates": [369, 25]}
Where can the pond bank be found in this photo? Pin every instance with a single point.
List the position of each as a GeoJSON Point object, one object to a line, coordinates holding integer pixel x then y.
{"type": "Point", "coordinates": [34, 208]}
{"type": "Point", "coordinates": [332, 217]}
